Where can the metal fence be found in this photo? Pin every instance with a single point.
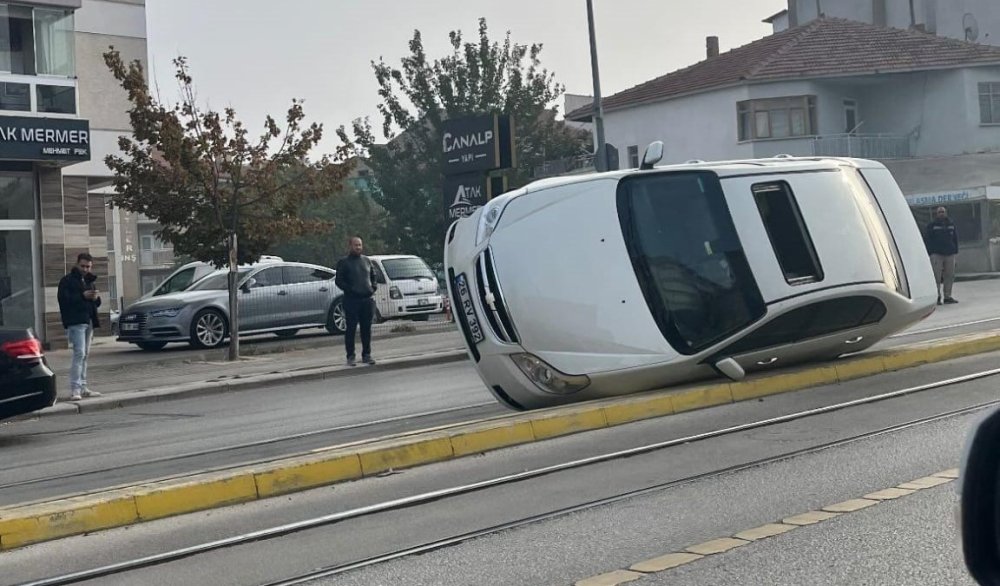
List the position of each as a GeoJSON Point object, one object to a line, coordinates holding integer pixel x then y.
{"type": "Point", "coordinates": [563, 166]}
{"type": "Point", "coordinates": [864, 146]}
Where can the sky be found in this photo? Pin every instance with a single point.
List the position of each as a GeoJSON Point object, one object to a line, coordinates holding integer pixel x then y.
{"type": "Point", "coordinates": [257, 55]}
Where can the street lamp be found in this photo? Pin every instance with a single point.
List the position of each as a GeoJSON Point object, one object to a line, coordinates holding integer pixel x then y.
{"type": "Point", "coordinates": [600, 156]}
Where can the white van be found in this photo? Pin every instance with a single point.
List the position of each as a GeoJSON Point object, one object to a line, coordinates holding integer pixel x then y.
{"type": "Point", "coordinates": [590, 286]}
{"type": "Point", "coordinates": [408, 288]}
{"type": "Point", "coordinates": [192, 272]}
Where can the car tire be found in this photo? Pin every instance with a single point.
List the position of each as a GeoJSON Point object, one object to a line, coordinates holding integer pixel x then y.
{"type": "Point", "coordinates": [151, 346]}
{"type": "Point", "coordinates": [336, 321]}
{"type": "Point", "coordinates": [287, 333]}
{"type": "Point", "coordinates": [209, 329]}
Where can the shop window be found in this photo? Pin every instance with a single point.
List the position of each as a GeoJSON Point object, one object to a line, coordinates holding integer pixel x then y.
{"type": "Point", "coordinates": [968, 219]}
{"type": "Point", "coordinates": [776, 118]}
{"type": "Point", "coordinates": [17, 197]}
{"type": "Point", "coordinates": [57, 99]}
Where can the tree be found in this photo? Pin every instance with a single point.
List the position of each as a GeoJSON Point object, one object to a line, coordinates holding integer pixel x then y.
{"type": "Point", "coordinates": [219, 194]}
{"type": "Point", "coordinates": [354, 212]}
{"type": "Point", "coordinates": [476, 78]}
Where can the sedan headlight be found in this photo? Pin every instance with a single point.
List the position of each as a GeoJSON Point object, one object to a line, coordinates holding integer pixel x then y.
{"type": "Point", "coordinates": [490, 217]}
{"type": "Point", "coordinates": [547, 377]}
{"type": "Point", "coordinates": [171, 312]}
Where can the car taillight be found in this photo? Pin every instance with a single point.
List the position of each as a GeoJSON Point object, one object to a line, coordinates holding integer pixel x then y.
{"type": "Point", "coordinates": [29, 350]}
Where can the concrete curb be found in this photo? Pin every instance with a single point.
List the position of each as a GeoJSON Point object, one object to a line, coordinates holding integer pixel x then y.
{"type": "Point", "coordinates": [37, 522]}
{"type": "Point", "coordinates": [203, 388]}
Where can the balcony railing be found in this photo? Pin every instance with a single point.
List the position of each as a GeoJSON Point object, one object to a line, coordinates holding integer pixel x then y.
{"type": "Point", "coordinates": [564, 166]}
{"type": "Point", "coordinates": [156, 258]}
{"type": "Point", "coordinates": [863, 146]}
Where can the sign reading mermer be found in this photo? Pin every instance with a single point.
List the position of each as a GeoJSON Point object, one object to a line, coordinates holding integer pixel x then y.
{"type": "Point", "coordinates": [44, 139]}
{"type": "Point", "coordinates": [464, 194]}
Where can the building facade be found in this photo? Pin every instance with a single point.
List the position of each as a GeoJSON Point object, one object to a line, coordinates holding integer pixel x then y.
{"type": "Point", "coordinates": [61, 112]}
{"type": "Point", "coordinates": [925, 105]}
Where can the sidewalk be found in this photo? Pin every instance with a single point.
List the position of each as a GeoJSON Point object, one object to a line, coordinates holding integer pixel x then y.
{"type": "Point", "coordinates": [113, 370]}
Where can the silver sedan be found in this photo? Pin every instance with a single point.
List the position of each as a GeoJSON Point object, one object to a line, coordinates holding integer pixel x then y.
{"type": "Point", "coordinates": [279, 298]}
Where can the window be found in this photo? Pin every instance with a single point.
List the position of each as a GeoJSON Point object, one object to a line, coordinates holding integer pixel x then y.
{"type": "Point", "coordinates": [295, 275]}
{"type": "Point", "coordinates": [811, 321]}
{"type": "Point", "coordinates": [989, 102]}
{"type": "Point", "coordinates": [850, 116]}
{"type": "Point", "coordinates": [776, 118]}
{"type": "Point", "coordinates": [54, 42]}
{"type": "Point", "coordinates": [787, 232]}
{"type": "Point", "coordinates": [687, 257]}
{"type": "Point", "coordinates": [56, 99]}
{"type": "Point", "coordinates": [15, 96]}
{"type": "Point", "coordinates": [217, 282]}
{"type": "Point", "coordinates": [146, 242]}
{"type": "Point", "coordinates": [269, 277]}
{"type": "Point", "coordinates": [633, 157]}
{"type": "Point", "coordinates": [407, 268]}
{"type": "Point", "coordinates": [17, 40]}
{"type": "Point", "coordinates": [178, 282]}
{"type": "Point", "coordinates": [17, 197]}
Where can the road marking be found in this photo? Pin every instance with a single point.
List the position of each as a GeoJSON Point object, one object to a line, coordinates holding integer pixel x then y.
{"type": "Point", "coordinates": [718, 546]}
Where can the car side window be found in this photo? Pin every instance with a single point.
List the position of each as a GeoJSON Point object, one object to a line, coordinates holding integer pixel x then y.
{"type": "Point", "coordinates": [811, 321]}
{"type": "Point", "coordinates": [294, 275]}
{"type": "Point", "coordinates": [268, 277]}
{"type": "Point", "coordinates": [379, 275]}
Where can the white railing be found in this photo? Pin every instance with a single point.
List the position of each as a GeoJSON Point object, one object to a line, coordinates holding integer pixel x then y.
{"type": "Point", "coordinates": [156, 258]}
{"type": "Point", "coordinates": [863, 146]}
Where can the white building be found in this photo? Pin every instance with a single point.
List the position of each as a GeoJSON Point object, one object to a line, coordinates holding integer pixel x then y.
{"type": "Point", "coordinates": [927, 106]}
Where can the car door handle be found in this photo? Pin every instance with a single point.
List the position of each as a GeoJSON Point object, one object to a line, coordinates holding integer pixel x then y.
{"type": "Point", "coordinates": [772, 360]}
{"type": "Point", "coordinates": [282, 292]}
{"type": "Point", "coordinates": [854, 340]}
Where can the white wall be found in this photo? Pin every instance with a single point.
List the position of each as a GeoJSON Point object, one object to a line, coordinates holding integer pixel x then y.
{"type": "Point", "coordinates": [695, 127]}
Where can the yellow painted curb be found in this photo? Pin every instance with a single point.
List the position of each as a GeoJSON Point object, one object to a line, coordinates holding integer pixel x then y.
{"type": "Point", "coordinates": [24, 524]}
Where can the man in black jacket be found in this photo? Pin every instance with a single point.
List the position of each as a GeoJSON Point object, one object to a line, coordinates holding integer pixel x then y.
{"type": "Point", "coordinates": [78, 303]}
{"type": "Point", "coordinates": [356, 278]}
{"type": "Point", "coordinates": [941, 239]}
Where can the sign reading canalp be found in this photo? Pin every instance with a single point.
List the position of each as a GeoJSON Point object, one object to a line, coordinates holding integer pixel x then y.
{"type": "Point", "coordinates": [476, 143]}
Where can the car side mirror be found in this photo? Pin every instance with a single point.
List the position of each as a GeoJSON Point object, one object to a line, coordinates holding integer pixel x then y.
{"type": "Point", "coordinates": [979, 516]}
{"type": "Point", "coordinates": [248, 284]}
{"type": "Point", "coordinates": [652, 156]}
{"type": "Point", "coordinates": [730, 368]}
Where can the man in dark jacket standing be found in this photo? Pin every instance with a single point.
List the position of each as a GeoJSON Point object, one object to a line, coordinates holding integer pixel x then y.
{"type": "Point", "coordinates": [941, 239]}
{"type": "Point", "coordinates": [78, 303]}
{"type": "Point", "coordinates": [356, 278]}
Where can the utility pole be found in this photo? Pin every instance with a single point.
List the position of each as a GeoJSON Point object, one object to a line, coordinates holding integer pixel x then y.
{"type": "Point", "coordinates": [600, 156]}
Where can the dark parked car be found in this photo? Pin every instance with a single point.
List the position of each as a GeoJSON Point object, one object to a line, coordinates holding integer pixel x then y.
{"type": "Point", "coordinates": [26, 382]}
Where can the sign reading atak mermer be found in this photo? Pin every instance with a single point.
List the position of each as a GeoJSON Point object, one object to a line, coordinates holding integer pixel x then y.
{"type": "Point", "coordinates": [44, 139]}
{"type": "Point", "coordinates": [471, 147]}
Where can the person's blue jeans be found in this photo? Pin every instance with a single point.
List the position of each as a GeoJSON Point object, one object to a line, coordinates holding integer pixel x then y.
{"type": "Point", "coordinates": [80, 337]}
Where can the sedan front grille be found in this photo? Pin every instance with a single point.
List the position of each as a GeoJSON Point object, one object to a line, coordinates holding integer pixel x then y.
{"type": "Point", "coordinates": [492, 300]}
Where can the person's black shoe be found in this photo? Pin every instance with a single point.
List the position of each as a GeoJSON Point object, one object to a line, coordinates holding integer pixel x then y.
{"type": "Point", "coordinates": [351, 362]}
{"type": "Point", "coordinates": [950, 300]}
{"type": "Point", "coordinates": [368, 360]}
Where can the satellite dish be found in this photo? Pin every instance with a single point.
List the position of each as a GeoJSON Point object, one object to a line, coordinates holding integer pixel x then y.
{"type": "Point", "coordinates": [971, 26]}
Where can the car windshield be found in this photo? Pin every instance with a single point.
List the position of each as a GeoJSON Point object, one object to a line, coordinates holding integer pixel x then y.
{"type": "Point", "coordinates": [407, 268]}
{"type": "Point", "coordinates": [218, 281]}
{"type": "Point", "coordinates": [178, 282]}
{"type": "Point", "coordinates": [688, 258]}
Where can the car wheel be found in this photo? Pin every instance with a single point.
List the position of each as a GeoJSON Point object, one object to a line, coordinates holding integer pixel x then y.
{"type": "Point", "coordinates": [287, 333]}
{"type": "Point", "coordinates": [336, 319]}
{"type": "Point", "coordinates": [208, 329]}
{"type": "Point", "coordinates": [151, 346]}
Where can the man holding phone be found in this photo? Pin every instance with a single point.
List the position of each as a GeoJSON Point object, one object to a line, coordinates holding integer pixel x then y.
{"type": "Point", "coordinates": [78, 303]}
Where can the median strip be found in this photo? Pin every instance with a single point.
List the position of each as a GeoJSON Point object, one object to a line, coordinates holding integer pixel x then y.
{"type": "Point", "coordinates": [32, 523]}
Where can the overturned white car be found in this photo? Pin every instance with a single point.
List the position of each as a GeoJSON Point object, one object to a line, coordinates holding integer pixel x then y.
{"type": "Point", "coordinates": [582, 287]}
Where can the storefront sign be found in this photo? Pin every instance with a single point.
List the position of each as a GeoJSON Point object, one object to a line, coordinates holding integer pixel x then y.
{"type": "Point", "coordinates": [464, 194]}
{"type": "Point", "coordinates": [957, 196]}
{"type": "Point", "coordinates": [477, 143]}
{"type": "Point", "coordinates": [44, 139]}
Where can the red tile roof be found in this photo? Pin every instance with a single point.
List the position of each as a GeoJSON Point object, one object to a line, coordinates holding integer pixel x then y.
{"type": "Point", "coordinates": [827, 47]}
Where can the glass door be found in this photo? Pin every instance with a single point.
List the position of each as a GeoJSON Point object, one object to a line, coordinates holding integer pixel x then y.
{"type": "Point", "coordinates": [17, 279]}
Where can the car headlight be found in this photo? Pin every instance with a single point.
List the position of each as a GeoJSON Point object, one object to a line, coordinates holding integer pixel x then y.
{"type": "Point", "coordinates": [489, 218]}
{"type": "Point", "coordinates": [171, 312]}
{"type": "Point", "coordinates": [547, 377]}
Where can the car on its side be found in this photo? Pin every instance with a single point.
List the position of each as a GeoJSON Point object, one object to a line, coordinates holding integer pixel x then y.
{"type": "Point", "coordinates": [582, 287]}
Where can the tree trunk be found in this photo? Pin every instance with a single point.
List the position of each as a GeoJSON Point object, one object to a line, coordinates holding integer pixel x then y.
{"type": "Point", "coordinates": [234, 300]}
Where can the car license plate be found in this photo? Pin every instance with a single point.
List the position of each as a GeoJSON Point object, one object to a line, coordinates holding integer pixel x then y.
{"type": "Point", "coordinates": [468, 309]}
{"type": "Point", "coordinates": [130, 327]}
